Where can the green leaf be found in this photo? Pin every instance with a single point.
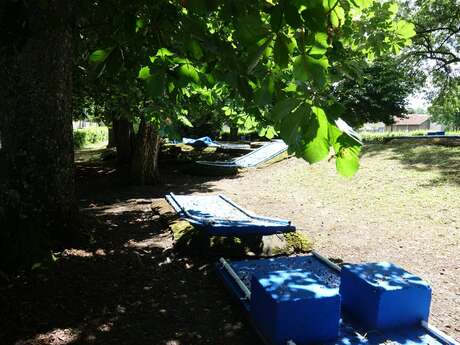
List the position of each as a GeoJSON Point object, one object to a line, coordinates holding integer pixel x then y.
{"type": "Point", "coordinates": [337, 17]}
{"type": "Point", "coordinates": [36, 265]}
{"type": "Point", "coordinates": [139, 24]}
{"type": "Point", "coordinates": [347, 151]}
{"type": "Point", "coordinates": [250, 29]}
{"type": "Point", "coordinates": [315, 19]}
{"type": "Point", "coordinates": [99, 55]}
{"type": "Point", "coordinates": [334, 110]}
{"type": "Point", "coordinates": [362, 4]}
{"type": "Point", "coordinates": [317, 143]}
{"type": "Point", "coordinates": [188, 72]}
{"type": "Point", "coordinates": [283, 108]}
{"type": "Point", "coordinates": [292, 124]}
{"type": "Point", "coordinates": [317, 70]}
{"type": "Point", "coordinates": [404, 29]}
{"type": "Point", "coordinates": [254, 60]}
{"type": "Point", "coordinates": [184, 120]}
{"type": "Point", "coordinates": [281, 51]}
{"type": "Point", "coordinates": [308, 68]}
{"type": "Point", "coordinates": [276, 18]}
{"type": "Point", "coordinates": [144, 73]}
{"type": "Point", "coordinates": [321, 39]}
{"type": "Point", "coordinates": [270, 133]}
{"type": "Point", "coordinates": [195, 49]}
{"type": "Point", "coordinates": [155, 84]}
{"type": "Point", "coordinates": [264, 95]}
{"type": "Point", "coordinates": [292, 16]}
{"type": "Point", "coordinates": [301, 68]}
{"type": "Point", "coordinates": [347, 161]}
{"type": "Point", "coordinates": [163, 53]}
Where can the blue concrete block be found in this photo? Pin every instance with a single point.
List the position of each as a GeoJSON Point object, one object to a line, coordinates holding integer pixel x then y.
{"type": "Point", "coordinates": [294, 305]}
{"type": "Point", "coordinates": [384, 296]}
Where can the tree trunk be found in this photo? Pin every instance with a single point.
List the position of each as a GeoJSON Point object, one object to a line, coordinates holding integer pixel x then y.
{"type": "Point", "coordinates": [144, 167]}
{"type": "Point", "coordinates": [124, 140]}
{"type": "Point", "coordinates": [233, 133]}
{"type": "Point", "coordinates": [37, 197]}
{"type": "Point", "coordinates": [111, 141]}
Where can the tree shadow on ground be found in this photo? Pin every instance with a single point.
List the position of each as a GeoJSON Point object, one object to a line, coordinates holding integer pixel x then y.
{"type": "Point", "coordinates": [423, 158]}
{"type": "Point", "coordinates": [101, 182]}
{"type": "Point", "coordinates": [127, 285]}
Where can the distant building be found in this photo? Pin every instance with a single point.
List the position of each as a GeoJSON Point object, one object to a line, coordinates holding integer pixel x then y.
{"type": "Point", "coordinates": [83, 124]}
{"type": "Point", "coordinates": [412, 122]}
{"type": "Point", "coordinates": [373, 127]}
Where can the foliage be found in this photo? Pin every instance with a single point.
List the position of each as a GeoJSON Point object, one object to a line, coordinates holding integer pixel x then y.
{"type": "Point", "coordinates": [90, 135]}
{"type": "Point", "coordinates": [380, 93]}
{"type": "Point", "coordinates": [445, 107]}
{"type": "Point", "coordinates": [437, 23]}
{"type": "Point", "coordinates": [276, 55]}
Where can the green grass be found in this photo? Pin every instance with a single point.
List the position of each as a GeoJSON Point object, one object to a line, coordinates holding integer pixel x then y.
{"type": "Point", "coordinates": [378, 137]}
{"type": "Point", "coordinates": [90, 137]}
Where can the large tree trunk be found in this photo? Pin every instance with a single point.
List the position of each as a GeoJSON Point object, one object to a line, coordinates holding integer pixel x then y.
{"type": "Point", "coordinates": [111, 138]}
{"type": "Point", "coordinates": [37, 199]}
{"type": "Point", "coordinates": [144, 167]}
{"type": "Point", "coordinates": [124, 140]}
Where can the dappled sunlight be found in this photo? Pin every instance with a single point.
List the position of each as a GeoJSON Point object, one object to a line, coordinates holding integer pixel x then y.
{"type": "Point", "coordinates": [115, 208]}
{"type": "Point", "coordinates": [58, 336]}
{"type": "Point", "coordinates": [162, 242]}
{"type": "Point", "coordinates": [81, 253]}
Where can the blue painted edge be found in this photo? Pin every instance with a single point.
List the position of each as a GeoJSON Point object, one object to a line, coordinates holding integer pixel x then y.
{"type": "Point", "coordinates": [279, 226]}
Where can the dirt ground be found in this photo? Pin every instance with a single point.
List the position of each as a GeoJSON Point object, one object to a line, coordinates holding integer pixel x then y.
{"type": "Point", "coordinates": [128, 285]}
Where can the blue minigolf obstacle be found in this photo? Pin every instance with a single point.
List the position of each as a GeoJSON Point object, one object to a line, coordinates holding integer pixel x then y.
{"type": "Point", "coordinates": [217, 215]}
{"type": "Point", "coordinates": [294, 305]}
{"type": "Point", "coordinates": [278, 294]}
{"type": "Point", "coordinates": [257, 157]}
{"type": "Point", "coordinates": [384, 296]}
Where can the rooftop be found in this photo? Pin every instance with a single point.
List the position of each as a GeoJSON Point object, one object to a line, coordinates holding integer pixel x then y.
{"type": "Point", "coordinates": [411, 119]}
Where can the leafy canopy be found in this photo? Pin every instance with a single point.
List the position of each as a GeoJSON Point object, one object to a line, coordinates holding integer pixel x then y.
{"type": "Point", "coordinates": [281, 57]}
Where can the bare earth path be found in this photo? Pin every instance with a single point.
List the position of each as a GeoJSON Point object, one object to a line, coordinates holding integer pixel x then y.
{"type": "Point", "coordinates": [128, 286]}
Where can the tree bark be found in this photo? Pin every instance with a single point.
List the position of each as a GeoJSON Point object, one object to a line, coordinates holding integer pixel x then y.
{"type": "Point", "coordinates": [233, 133]}
{"type": "Point", "coordinates": [37, 197]}
{"type": "Point", "coordinates": [111, 141]}
{"type": "Point", "coordinates": [124, 140]}
{"type": "Point", "coordinates": [144, 167]}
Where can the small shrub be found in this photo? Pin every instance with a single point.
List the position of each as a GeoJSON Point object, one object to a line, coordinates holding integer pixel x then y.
{"type": "Point", "coordinates": [91, 135]}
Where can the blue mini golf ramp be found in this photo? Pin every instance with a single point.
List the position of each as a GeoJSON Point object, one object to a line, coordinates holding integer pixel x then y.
{"type": "Point", "coordinates": [252, 159]}
{"type": "Point", "coordinates": [218, 215]}
{"type": "Point", "coordinates": [320, 283]}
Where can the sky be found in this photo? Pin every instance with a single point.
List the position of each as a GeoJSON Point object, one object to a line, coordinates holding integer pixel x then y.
{"type": "Point", "coordinates": [417, 100]}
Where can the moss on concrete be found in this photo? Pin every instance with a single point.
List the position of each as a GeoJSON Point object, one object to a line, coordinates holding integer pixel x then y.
{"type": "Point", "coordinates": [299, 242]}
{"type": "Point", "coordinates": [191, 241]}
